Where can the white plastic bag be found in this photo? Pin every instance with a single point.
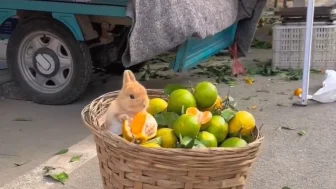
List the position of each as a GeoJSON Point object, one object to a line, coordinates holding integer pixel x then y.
{"type": "Point", "coordinates": [327, 93]}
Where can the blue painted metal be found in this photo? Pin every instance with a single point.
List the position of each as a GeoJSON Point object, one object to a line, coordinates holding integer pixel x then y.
{"type": "Point", "coordinates": [65, 7]}
{"type": "Point", "coordinates": [70, 21]}
{"type": "Point", "coordinates": [194, 51]}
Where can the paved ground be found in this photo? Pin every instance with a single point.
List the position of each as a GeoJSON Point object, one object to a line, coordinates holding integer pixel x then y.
{"type": "Point", "coordinates": [287, 159]}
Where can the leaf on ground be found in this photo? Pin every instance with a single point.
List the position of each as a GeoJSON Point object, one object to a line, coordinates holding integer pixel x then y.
{"type": "Point", "coordinates": [47, 169]}
{"type": "Point", "coordinates": [282, 93]}
{"type": "Point", "coordinates": [246, 98]}
{"type": "Point", "coordinates": [263, 91]}
{"type": "Point", "coordinates": [22, 119]}
{"type": "Point", "coordinates": [60, 177]}
{"type": "Point", "coordinates": [63, 151]}
{"type": "Point", "coordinates": [20, 164]}
{"type": "Point", "coordinates": [254, 107]}
{"type": "Point", "coordinates": [75, 158]}
{"type": "Point", "coordinates": [170, 118]}
{"type": "Point", "coordinates": [261, 44]}
{"type": "Point", "coordinates": [161, 120]}
{"type": "Point", "coordinates": [302, 133]}
{"type": "Point", "coordinates": [287, 128]}
{"type": "Point", "coordinates": [248, 80]}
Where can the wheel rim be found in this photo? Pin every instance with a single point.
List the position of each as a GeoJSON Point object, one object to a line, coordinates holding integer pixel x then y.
{"type": "Point", "coordinates": [45, 62]}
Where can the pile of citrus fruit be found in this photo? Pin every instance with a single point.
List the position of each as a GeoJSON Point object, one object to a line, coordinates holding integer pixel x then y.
{"type": "Point", "coordinates": [195, 117]}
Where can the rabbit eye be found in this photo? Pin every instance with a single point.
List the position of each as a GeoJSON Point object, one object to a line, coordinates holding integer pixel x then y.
{"type": "Point", "coordinates": [132, 96]}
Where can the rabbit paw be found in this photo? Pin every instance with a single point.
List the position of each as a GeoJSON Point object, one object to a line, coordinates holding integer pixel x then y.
{"type": "Point", "coordinates": [123, 117]}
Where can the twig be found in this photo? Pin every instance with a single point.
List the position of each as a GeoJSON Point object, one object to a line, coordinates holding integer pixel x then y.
{"type": "Point", "coordinates": [8, 155]}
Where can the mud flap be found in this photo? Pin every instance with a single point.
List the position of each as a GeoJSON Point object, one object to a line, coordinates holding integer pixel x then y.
{"type": "Point", "coordinates": [195, 51]}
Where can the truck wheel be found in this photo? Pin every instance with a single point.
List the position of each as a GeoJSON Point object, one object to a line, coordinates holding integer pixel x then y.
{"type": "Point", "coordinates": [47, 61]}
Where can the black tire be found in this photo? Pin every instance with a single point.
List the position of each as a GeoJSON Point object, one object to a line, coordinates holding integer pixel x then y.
{"type": "Point", "coordinates": [82, 63]}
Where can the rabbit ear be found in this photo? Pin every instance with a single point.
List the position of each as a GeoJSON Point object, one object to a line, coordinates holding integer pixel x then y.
{"type": "Point", "coordinates": [128, 77]}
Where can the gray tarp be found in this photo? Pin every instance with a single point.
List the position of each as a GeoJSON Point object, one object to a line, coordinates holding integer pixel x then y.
{"type": "Point", "coordinates": [160, 25]}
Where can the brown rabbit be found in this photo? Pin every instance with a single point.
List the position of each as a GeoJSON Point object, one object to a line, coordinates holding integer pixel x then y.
{"type": "Point", "coordinates": [132, 99]}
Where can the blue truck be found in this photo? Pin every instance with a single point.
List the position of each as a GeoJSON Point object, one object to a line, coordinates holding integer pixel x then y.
{"type": "Point", "coordinates": [55, 44]}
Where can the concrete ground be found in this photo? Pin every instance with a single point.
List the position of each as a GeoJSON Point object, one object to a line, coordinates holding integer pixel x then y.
{"type": "Point", "coordinates": [286, 159]}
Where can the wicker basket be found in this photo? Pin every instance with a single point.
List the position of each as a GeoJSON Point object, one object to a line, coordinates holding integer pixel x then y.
{"type": "Point", "coordinates": [124, 165]}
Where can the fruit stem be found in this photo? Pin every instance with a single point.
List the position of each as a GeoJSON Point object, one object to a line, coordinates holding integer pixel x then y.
{"type": "Point", "coordinates": [240, 132]}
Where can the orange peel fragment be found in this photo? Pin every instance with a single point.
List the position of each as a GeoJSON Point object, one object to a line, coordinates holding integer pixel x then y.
{"type": "Point", "coordinates": [142, 128]}
{"type": "Point", "coordinates": [297, 92]}
{"type": "Point", "coordinates": [203, 117]}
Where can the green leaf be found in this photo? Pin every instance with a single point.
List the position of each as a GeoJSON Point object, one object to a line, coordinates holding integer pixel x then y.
{"type": "Point", "coordinates": [157, 140]}
{"type": "Point", "coordinates": [228, 114]}
{"type": "Point", "coordinates": [168, 89]}
{"type": "Point", "coordinates": [75, 158]}
{"type": "Point", "coordinates": [181, 139]}
{"type": "Point", "coordinates": [63, 151]}
{"type": "Point", "coordinates": [60, 177]}
{"type": "Point", "coordinates": [170, 118]}
{"type": "Point", "coordinates": [302, 133]}
{"type": "Point", "coordinates": [161, 120]}
{"type": "Point", "coordinates": [199, 144]}
{"type": "Point", "coordinates": [187, 142]}
{"type": "Point", "coordinates": [286, 187]}
{"type": "Point", "coordinates": [190, 144]}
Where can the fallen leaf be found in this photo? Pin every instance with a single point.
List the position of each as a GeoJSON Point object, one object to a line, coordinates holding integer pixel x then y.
{"type": "Point", "coordinates": [63, 151]}
{"type": "Point", "coordinates": [254, 107]}
{"type": "Point", "coordinates": [22, 119]}
{"type": "Point", "coordinates": [282, 93]}
{"type": "Point", "coordinates": [263, 91]}
{"type": "Point", "coordinates": [8, 155]}
{"type": "Point", "coordinates": [302, 133]}
{"type": "Point", "coordinates": [47, 169]}
{"type": "Point", "coordinates": [246, 98]}
{"type": "Point", "coordinates": [60, 177]}
{"type": "Point", "coordinates": [287, 128]}
{"type": "Point", "coordinates": [248, 80]}
{"type": "Point", "coordinates": [281, 105]}
{"type": "Point", "coordinates": [20, 164]}
{"type": "Point", "coordinates": [75, 158]}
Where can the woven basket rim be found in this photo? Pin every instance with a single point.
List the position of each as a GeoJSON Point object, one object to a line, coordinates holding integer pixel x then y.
{"type": "Point", "coordinates": [105, 135]}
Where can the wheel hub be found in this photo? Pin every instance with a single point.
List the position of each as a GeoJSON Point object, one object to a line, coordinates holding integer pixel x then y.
{"type": "Point", "coordinates": [46, 62]}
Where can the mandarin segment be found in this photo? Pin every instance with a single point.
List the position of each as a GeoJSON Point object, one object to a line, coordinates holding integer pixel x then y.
{"type": "Point", "coordinates": [142, 128]}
